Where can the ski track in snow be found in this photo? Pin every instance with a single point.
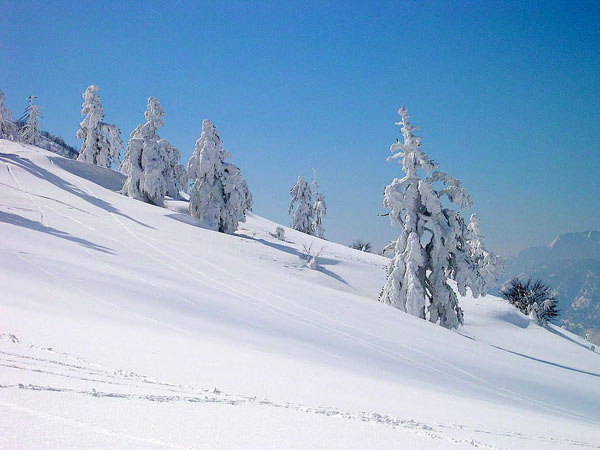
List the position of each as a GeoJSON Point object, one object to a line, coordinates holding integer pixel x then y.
{"type": "Point", "coordinates": [130, 386]}
{"type": "Point", "coordinates": [212, 283]}
{"type": "Point", "coordinates": [27, 195]}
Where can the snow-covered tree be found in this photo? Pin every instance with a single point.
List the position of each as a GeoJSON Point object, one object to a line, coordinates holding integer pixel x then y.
{"type": "Point", "coordinates": [302, 220]}
{"type": "Point", "coordinates": [238, 199]}
{"type": "Point", "coordinates": [219, 196]}
{"type": "Point", "coordinates": [175, 173]}
{"type": "Point", "coordinates": [146, 158]}
{"type": "Point", "coordinates": [319, 209]}
{"type": "Point", "coordinates": [432, 246]}
{"type": "Point", "coordinates": [30, 130]}
{"type": "Point", "coordinates": [489, 265]}
{"type": "Point", "coordinates": [101, 141]}
{"type": "Point", "coordinates": [8, 128]}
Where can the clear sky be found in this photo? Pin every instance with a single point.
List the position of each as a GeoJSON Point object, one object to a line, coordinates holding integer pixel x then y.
{"type": "Point", "coordinates": [506, 96]}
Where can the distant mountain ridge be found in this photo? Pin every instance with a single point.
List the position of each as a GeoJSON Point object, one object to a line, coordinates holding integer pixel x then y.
{"type": "Point", "coordinates": [571, 265]}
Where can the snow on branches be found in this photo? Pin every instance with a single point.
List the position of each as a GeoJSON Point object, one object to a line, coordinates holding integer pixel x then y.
{"type": "Point", "coordinates": [302, 219]}
{"type": "Point", "coordinates": [220, 196]}
{"type": "Point", "coordinates": [101, 141]}
{"type": "Point", "coordinates": [308, 216]}
{"type": "Point", "coordinates": [319, 209]}
{"type": "Point", "coordinates": [434, 243]}
{"type": "Point", "coordinates": [8, 128]}
{"type": "Point", "coordinates": [31, 128]}
{"type": "Point", "coordinates": [149, 159]}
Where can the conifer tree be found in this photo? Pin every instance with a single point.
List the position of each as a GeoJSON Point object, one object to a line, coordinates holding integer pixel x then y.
{"type": "Point", "coordinates": [147, 158]}
{"type": "Point", "coordinates": [175, 173]}
{"type": "Point", "coordinates": [488, 265]}
{"type": "Point", "coordinates": [31, 129]}
{"type": "Point", "coordinates": [8, 128]}
{"type": "Point", "coordinates": [101, 141]}
{"type": "Point", "coordinates": [432, 246]}
{"type": "Point", "coordinates": [220, 196]}
{"type": "Point", "coordinates": [319, 209]}
{"type": "Point", "coordinates": [302, 219]}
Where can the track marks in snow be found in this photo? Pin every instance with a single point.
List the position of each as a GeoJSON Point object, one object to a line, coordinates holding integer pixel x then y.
{"type": "Point", "coordinates": [461, 375]}
{"type": "Point", "coordinates": [26, 194]}
{"type": "Point", "coordinates": [320, 321]}
{"type": "Point", "coordinates": [122, 385]}
{"type": "Point", "coordinates": [98, 381]}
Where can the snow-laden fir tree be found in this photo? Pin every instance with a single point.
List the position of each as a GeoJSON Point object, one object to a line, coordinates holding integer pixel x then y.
{"type": "Point", "coordinates": [31, 129]}
{"type": "Point", "coordinates": [219, 196]}
{"type": "Point", "coordinates": [432, 245]}
{"type": "Point", "coordinates": [147, 159]}
{"type": "Point", "coordinates": [238, 199]}
{"type": "Point", "coordinates": [319, 209]}
{"type": "Point", "coordinates": [101, 141]}
{"type": "Point", "coordinates": [175, 173]}
{"type": "Point", "coordinates": [8, 128]}
{"type": "Point", "coordinates": [302, 219]}
{"type": "Point", "coordinates": [489, 265]}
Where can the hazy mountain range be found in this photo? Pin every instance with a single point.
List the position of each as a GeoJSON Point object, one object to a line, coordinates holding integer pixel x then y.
{"type": "Point", "coordinates": [571, 265]}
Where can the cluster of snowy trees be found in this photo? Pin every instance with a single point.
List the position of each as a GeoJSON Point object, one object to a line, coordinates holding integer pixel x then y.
{"type": "Point", "coordinates": [435, 244]}
{"type": "Point", "coordinates": [307, 216]}
{"type": "Point", "coordinates": [27, 129]}
{"type": "Point", "coordinates": [219, 196]}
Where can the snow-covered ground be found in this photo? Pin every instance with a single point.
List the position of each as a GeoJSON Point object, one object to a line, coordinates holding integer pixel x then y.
{"type": "Point", "coordinates": [124, 325]}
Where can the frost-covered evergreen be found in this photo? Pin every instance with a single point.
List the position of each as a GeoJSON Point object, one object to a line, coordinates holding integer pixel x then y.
{"type": "Point", "coordinates": [489, 265]}
{"type": "Point", "coordinates": [30, 130]}
{"type": "Point", "coordinates": [147, 158]}
{"type": "Point", "coordinates": [220, 196]}
{"type": "Point", "coordinates": [302, 219]}
{"type": "Point", "coordinates": [175, 173]}
{"type": "Point", "coordinates": [319, 209]}
{"type": "Point", "coordinates": [432, 246]}
{"type": "Point", "coordinates": [238, 199]}
{"type": "Point", "coordinates": [101, 141]}
{"type": "Point", "coordinates": [8, 128]}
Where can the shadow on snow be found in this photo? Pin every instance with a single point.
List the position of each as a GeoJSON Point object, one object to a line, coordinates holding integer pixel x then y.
{"type": "Point", "coordinates": [15, 219]}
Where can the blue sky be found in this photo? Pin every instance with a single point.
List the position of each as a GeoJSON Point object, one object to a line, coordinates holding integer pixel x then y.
{"type": "Point", "coordinates": [506, 96]}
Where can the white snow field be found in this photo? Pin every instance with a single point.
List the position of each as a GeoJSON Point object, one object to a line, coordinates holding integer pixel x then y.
{"type": "Point", "coordinates": [126, 325]}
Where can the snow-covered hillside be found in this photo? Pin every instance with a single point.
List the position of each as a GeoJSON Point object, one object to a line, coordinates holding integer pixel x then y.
{"type": "Point", "coordinates": [125, 325]}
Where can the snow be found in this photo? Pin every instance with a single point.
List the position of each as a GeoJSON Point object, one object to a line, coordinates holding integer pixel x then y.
{"type": "Point", "coordinates": [126, 325]}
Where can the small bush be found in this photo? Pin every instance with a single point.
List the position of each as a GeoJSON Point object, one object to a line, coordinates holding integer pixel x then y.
{"type": "Point", "coordinates": [361, 245]}
{"type": "Point", "coordinates": [311, 257]}
{"type": "Point", "coordinates": [280, 233]}
{"type": "Point", "coordinates": [533, 298]}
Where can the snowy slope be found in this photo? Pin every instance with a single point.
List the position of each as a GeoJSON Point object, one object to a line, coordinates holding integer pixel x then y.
{"type": "Point", "coordinates": [124, 325]}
